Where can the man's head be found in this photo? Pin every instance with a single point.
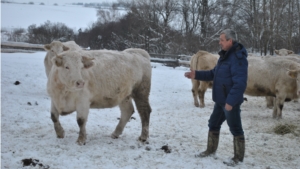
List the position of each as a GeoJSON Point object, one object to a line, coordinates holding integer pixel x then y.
{"type": "Point", "coordinates": [227, 38]}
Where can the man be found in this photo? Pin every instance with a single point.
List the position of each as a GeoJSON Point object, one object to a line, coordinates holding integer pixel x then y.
{"type": "Point", "coordinates": [229, 83]}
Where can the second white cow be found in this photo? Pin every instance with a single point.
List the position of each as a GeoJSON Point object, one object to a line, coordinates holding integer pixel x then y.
{"type": "Point", "coordinates": [54, 48]}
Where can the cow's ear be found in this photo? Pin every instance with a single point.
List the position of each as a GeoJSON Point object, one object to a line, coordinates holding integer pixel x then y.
{"type": "Point", "coordinates": [47, 46]}
{"type": "Point", "coordinates": [65, 48]}
{"type": "Point", "coordinates": [290, 52]}
{"type": "Point", "coordinates": [292, 73]}
{"type": "Point", "coordinates": [58, 61]}
{"type": "Point", "coordinates": [276, 51]}
{"type": "Point", "coordinates": [87, 62]}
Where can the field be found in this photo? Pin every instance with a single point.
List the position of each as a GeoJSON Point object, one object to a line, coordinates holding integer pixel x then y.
{"type": "Point", "coordinates": [27, 132]}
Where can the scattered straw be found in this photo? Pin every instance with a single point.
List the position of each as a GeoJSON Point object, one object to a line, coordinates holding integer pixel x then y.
{"type": "Point", "coordinates": [284, 129]}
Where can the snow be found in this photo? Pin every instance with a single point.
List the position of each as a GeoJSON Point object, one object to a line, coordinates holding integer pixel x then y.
{"type": "Point", "coordinates": [27, 130]}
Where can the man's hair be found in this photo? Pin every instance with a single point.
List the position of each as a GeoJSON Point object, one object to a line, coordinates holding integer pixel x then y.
{"type": "Point", "coordinates": [230, 34]}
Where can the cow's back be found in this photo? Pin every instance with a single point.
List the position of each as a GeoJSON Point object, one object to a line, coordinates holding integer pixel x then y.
{"type": "Point", "coordinates": [72, 45]}
{"type": "Point", "coordinates": [203, 60]}
{"type": "Point", "coordinates": [116, 74]}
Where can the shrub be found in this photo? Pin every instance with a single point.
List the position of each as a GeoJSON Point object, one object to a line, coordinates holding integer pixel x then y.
{"type": "Point", "coordinates": [48, 32]}
{"type": "Point", "coordinates": [17, 35]}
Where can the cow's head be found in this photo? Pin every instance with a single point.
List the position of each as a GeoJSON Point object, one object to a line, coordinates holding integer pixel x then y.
{"type": "Point", "coordinates": [295, 74]}
{"type": "Point", "coordinates": [283, 52]}
{"type": "Point", "coordinates": [55, 47]}
{"type": "Point", "coordinates": [73, 69]}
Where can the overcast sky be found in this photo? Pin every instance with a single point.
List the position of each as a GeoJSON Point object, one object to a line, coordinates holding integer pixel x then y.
{"type": "Point", "coordinates": [62, 1]}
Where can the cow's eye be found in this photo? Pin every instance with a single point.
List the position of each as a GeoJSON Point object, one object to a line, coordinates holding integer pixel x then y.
{"type": "Point", "coordinates": [67, 67]}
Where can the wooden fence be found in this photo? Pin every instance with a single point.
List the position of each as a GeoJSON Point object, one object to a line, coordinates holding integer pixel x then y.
{"type": "Point", "coordinates": [166, 59]}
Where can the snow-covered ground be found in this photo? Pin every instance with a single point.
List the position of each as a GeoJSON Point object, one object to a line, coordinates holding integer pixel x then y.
{"type": "Point", "coordinates": [27, 130]}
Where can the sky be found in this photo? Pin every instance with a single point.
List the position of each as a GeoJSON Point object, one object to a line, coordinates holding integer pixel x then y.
{"type": "Point", "coordinates": [62, 1]}
{"type": "Point", "coordinates": [27, 131]}
{"type": "Point", "coordinates": [73, 16]}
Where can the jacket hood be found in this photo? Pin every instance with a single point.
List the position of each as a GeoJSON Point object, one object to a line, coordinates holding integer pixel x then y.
{"type": "Point", "coordinates": [236, 48]}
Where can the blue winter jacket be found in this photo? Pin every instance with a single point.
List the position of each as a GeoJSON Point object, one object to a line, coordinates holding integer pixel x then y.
{"type": "Point", "coordinates": [229, 76]}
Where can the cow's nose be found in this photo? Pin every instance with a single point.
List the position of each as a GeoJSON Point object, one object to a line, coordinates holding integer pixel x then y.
{"type": "Point", "coordinates": [80, 84]}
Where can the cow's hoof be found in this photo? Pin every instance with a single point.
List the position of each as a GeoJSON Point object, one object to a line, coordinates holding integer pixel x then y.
{"type": "Point", "coordinates": [202, 105]}
{"type": "Point", "coordinates": [80, 142]}
{"type": "Point", "coordinates": [196, 105]}
{"type": "Point", "coordinates": [113, 136]}
{"type": "Point", "coordinates": [60, 134]}
{"type": "Point", "coordinates": [142, 139]}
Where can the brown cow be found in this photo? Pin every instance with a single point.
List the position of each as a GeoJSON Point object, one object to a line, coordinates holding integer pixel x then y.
{"type": "Point", "coordinates": [202, 60]}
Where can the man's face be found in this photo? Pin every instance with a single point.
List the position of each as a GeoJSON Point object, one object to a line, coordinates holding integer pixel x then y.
{"type": "Point", "coordinates": [225, 44]}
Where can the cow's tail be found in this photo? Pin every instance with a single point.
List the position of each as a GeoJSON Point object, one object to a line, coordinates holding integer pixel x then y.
{"type": "Point", "coordinates": [195, 61]}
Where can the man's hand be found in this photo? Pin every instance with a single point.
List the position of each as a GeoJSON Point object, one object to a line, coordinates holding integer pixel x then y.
{"type": "Point", "coordinates": [228, 107]}
{"type": "Point", "coordinates": [190, 75]}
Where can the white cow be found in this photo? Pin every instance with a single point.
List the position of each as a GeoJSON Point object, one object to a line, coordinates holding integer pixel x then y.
{"type": "Point", "coordinates": [80, 80]}
{"type": "Point", "coordinates": [278, 78]}
{"type": "Point", "coordinates": [202, 60]}
{"type": "Point", "coordinates": [270, 100]}
{"type": "Point", "coordinates": [54, 48]}
{"type": "Point", "coordinates": [285, 52]}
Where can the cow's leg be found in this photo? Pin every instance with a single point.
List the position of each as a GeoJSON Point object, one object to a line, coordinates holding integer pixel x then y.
{"type": "Point", "coordinates": [277, 110]}
{"type": "Point", "coordinates": [55, 118]}
{"type": "Point", "coordinates": [82, 114]}
{"type": "Point", "coordinates": [202, 89]}
{"type": "Point", "coordinates": [270, 101]}
{"type": "Point", "coordinates": [141, 99]}
{"type": "Point", "coordinates": [127, 110]}
{"type": "Point", "coordinates": [195, 87]}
